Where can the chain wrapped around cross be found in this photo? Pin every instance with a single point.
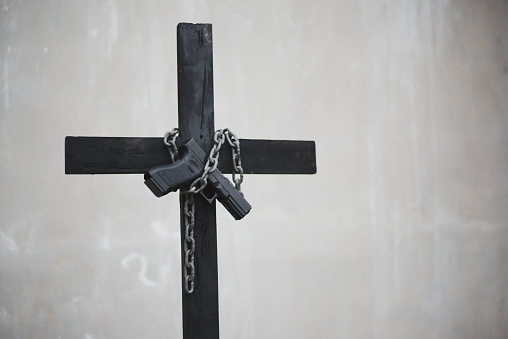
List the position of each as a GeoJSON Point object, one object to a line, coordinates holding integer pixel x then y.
{"type": "Point", "coordinates": [189, 164]}
{"type": "Point", "coordinates": [187, 167]}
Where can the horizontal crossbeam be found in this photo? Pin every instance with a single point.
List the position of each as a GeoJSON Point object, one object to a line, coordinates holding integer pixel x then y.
{"type": "Point", "coordinates": [125, 155]}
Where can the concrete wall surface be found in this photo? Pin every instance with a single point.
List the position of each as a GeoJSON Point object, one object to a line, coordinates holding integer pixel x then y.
{"type": "Point", "coordinates": [402, 233]}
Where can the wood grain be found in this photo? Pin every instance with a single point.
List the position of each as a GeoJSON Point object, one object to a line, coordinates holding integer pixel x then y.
{"type": "Point", "coordinates": [126, 155]}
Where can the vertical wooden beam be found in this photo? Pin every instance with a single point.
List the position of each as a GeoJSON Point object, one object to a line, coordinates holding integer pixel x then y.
{"type": "Point", "coordinates": [196, 120]}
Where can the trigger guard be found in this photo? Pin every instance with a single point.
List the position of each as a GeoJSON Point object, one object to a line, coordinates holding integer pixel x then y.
{"type": "Point", "coordinates": [209, 194]}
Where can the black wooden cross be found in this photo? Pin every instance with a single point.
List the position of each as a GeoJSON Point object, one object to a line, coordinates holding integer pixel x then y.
{"type": "Point", "coordinates": [101, 155]}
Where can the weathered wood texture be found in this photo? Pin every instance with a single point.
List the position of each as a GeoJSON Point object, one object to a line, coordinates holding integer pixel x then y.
{"type": "Point", "coordinates": [121, 155]}
{"type": "Point", "coordinates": [196, 120]}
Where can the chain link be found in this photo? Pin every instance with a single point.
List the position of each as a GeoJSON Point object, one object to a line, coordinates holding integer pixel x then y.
{"type": "Point", "coordinates": [213, 160]}
{"type": "Point", "coordinates": [189, 245]}
{"type": "Point", "coordinates": [170, 141]}
{"type": "Point", "coordinates": [234, 142]}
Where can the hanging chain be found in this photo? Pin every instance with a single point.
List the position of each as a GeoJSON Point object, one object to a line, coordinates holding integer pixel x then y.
{"type": "Point", "coordinates": [189, 245]}
{"type": "Point", "coordinates": [170, 141]}
{"type": "Point", "coordinates": [234, 142]}
{"type": "Point", "coordinates": [189, 207]}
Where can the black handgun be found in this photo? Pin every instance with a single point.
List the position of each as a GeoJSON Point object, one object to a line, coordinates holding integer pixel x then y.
{"type": "Point", "coordinates": [168, 178]}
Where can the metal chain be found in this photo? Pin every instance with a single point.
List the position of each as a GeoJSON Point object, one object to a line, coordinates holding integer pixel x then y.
{"type": "Point", "coordinates": [234, 142]}
{"type": "Point", "coordinates": [170, 141]}
{"type": "Point", "coordinates": [189, 245]}
{"type": "Point", "coordinates": [213, 160]}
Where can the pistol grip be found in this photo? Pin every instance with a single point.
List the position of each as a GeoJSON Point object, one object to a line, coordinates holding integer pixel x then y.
{"type": "Point", "coordinates": [168, 178]}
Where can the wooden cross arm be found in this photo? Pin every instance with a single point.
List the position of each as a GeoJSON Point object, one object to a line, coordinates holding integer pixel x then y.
{"type": "Point", "coordinates": [125, 155]}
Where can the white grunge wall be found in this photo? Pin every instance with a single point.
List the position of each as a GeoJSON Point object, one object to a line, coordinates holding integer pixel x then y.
{"type": "Point", "coordinates": [402, 233]}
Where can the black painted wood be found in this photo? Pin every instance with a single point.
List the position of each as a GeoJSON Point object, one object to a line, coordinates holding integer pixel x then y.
{"type": "Point", "coordinates": [101, 155]}
{"type": "Point", "coordinates": [121, 155]}
{"type": "Point", "coordinates": [196, 120]}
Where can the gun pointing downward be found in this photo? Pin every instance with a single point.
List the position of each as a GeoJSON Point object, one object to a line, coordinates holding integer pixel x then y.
{"type": "Point", "coordinates": [169, 178]}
